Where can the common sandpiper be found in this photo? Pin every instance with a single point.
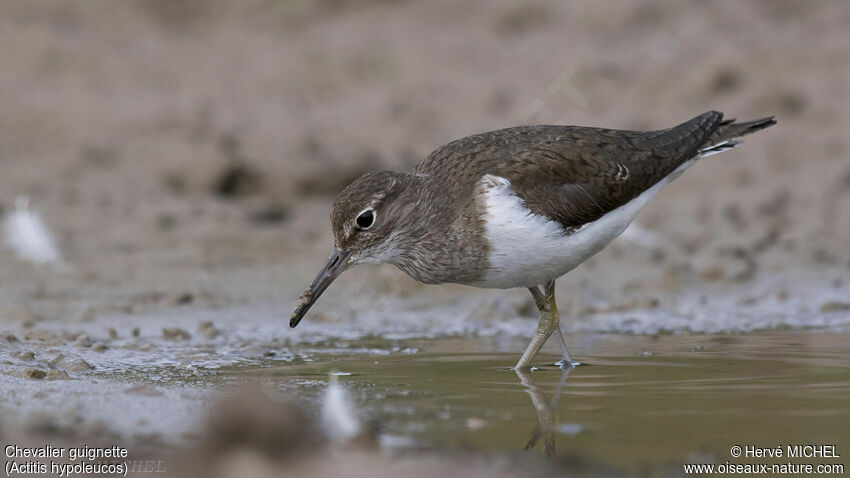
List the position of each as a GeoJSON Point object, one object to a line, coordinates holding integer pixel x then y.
{"type": "Point", "coordinates": [516, 207]}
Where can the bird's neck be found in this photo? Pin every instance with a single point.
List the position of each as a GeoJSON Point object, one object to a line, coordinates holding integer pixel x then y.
{"type": "Point", "coordinates": [440, 241]}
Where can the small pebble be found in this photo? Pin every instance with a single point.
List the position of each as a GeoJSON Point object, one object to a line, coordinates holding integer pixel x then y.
{"type": "Point", "coordinates": [34, 373]}
{"type": "Point", "coordinates": [57, 375]}
{"type": "Point", "coordinates": [25, 355]}
{"type": "Point", "coordinates": [55, 360]}
{"type": "Point", "coordinates": [113, 334]}
{"type": "Point", "coordinates": [71, 364]}
{"type": "Point", "coordinates": [207, 330]}
{"type": "Point", "coordinates": [175, 333]}
{"type": "Point", "coordinates": [8, 336]}
{"type": "Point", "coordinates": [99, 347]}
{"type": "Point", "coordinates": [38, 335]}
{"type": "Point", "coordinates": [83, 341]}
{"type": "Point", "coordinates": [69, 336]}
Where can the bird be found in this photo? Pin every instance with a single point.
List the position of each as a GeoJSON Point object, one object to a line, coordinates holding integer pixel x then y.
{"type": "Point", "coordinates": [514, 208]}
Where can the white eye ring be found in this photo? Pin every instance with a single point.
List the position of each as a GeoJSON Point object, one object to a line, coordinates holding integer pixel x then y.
{"type": "Point", "coordinates": [366, 219]}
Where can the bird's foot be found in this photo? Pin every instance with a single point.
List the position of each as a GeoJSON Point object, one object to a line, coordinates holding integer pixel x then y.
{"type": "Point", "coordinates": [567, 363]}
{"type": "Point", "coordinates": [524, 369]}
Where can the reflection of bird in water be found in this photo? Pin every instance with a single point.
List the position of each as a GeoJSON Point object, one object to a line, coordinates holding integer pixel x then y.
{"type": "Point", "coordinates": [547, 413]}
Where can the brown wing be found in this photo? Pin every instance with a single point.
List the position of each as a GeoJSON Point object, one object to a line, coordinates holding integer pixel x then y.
{"type": "Point", "coordinates": [572, 174]}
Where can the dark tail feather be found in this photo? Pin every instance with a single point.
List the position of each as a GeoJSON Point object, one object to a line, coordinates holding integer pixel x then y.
{"type": "Point", "coordinates": [729, 130]}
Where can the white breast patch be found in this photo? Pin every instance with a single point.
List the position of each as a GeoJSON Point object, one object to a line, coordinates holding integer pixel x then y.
{"type": "Point", "coordinates": [528, 249]}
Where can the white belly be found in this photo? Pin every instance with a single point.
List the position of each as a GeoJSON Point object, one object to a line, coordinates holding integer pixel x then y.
{"type": "Point", "coordinates": [528, 249]}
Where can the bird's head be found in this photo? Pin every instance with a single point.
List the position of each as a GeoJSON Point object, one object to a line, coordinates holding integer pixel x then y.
{"type": "Point", "coordinates": [370, 219]}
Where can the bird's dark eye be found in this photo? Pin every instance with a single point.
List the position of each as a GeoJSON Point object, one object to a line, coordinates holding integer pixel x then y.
{"type": "Point", "coordinates": [366, 219]}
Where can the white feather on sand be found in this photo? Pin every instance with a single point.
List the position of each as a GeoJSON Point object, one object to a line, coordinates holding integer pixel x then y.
{"type": "Point", "coordinates": [27, 235]}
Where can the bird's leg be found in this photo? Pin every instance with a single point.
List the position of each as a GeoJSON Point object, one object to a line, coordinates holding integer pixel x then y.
{"type": "Point", "coordinates": [539, 298]}
{"type": "Point", "coordinates": [549, 322]}
{"type": "Point", "coordinates": [566, 361]}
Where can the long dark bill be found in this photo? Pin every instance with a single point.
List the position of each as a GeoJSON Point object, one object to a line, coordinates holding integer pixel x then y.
{"type": "Point", "coordinates": [337, 263]}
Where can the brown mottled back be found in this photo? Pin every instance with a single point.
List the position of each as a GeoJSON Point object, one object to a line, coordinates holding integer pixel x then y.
{"type": "Point", "coordinates": [576, 174]}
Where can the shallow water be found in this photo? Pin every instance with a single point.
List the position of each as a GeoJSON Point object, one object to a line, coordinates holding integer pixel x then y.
{"type": "Point", "coordinates": [640, 403]}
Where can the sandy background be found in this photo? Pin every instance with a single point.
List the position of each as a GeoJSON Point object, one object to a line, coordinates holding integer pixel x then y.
{"type": "Point", "coordinates": [186, 153]}
{"type": "Point", "coordinates": [194, 147]}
